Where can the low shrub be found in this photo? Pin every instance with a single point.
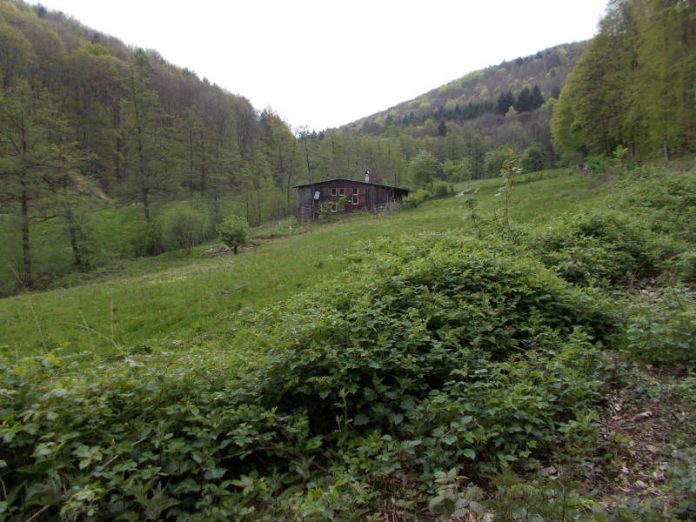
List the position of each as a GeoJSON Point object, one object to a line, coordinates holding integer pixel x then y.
{"type": "Point", "coordinates": [147, 240]}
{"type": "Point", "coordinates": [685, 265]}
{"type": "Point", "coordinates": [234, 232]}
{"type": "Point", "coordinates": [601, 249]}
{"type": "Point", "coordinates": [442, 351]}
{"type": "Point", "coordinates": [666, 202]}
{"type": "Point", "coordinates": [662, 331]}
{"type": "Point", "coordinates": [183, 227]}
{"type": "Point", "coordinates": [441, 189]}
{"type": "Point", "coordinates": [417, 197]}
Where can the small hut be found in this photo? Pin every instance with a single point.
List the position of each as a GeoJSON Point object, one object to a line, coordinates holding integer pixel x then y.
{"type": "Point", "coordinates": [345, 196]}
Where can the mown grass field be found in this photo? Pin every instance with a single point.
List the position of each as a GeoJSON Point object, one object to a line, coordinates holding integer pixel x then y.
{"type": "Point", "coordinates": [178, 298]}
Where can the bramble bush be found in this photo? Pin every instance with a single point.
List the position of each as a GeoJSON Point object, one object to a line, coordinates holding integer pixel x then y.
{"type": "Point", "coordinates": [667, 202]}
{"type": "Point", "coordinates": [148, 240]}
{"type": "Point", "coordinates": [184, 227]}
{"type": "Point", "coordinates": [438, 360]}
{"type": "Point", "coordinates": [416, 198]}
{"type": "Point", "coordinates": [444, 351]}
{"type": "Point", "coordinates": [602, 249]}
{"type": "Point", "coordinates": [661, 332]}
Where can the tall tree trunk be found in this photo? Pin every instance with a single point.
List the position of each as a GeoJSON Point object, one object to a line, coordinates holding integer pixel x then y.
{"type": "Point", "coordinates": [190, 154]}
{"type": "Point", "coordinates": [309, 167]}
{"type": "Point", "coordinates": [27, 276]}
{"type": "Point", "coordinates": [665, 149]}
{"type": "Point", "coordinates": [74, 242]}
{"type": "Point", "coordinates": [258, 206]}
{"type": "Point", "coordinates": [145, 199]}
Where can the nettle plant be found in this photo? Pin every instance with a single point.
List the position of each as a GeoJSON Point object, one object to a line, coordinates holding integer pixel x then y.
{"type": "Point", "coordinates": [443, 351]}
{"type": "Point", "coordinates": [510, 169]}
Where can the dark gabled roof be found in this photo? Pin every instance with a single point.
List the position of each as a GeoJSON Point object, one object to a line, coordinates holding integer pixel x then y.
{"type": "Point", "coordinates": [324, 182]}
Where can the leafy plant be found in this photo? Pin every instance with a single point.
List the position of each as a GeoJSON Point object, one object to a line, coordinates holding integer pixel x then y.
{"type": "Point", "coordinates": [453, 499]}
{"type": "Point", "coordinates": [597, 249]}
{"type": "Point", "coordinates": [148, 240]}
{"type": "Point", "coordinates": [661, 332]}
{"type": "Point", "coordinates": [416, 198]}
{"type": "Point", "coordinates": [234, 232]}
{"type": "Point", "coordinates": [183, 228]}
{"type": "Point", "coordinates": [508, 171]}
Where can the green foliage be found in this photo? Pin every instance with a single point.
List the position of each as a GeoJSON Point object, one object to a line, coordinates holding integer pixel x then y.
{"type": "Point", "coordinates": [183, 227]}
{"type": "Point", "coordinates": [508, 171]}
{"type": "Point", "coordinates": [234, 232]}
{"type": "Point", "coordinates": [495, 160]}
{"type": "Point", "coordinates": [443, 349]}
{"type": "Point", "coordinates": [423, 168]}
{"type": "Point", "coordinates": [534, 159]}
{"type": "Point", "coordinates": [597, 164]}
{"type": "Point", "coordinates": [681, 483]}
{"type": "Point", "coordinates": [452, 498]}
{"type": "Point", "coordinates": [442, 189]}
{"type": "Point", "coordinates": [666, 201]}
{"type": "Point", "coordinates": [541, 498]}
{"type": "Point", "coordinates": [662, 331]}
{"type": "Point", "coordinates": [685, 265]}
{"type": "Point", "coordinates": [416, 198]}
{"type": "Point", "coordinates": [633, 85]}
{"type": "Point", "coordinates": [147, 240]}
{"type": "Point", "coordinates": [602, 249]}
{"type": "Point", "coordinates": [458, 171]}
{"type": "Point", "coordinates": [433, 352]}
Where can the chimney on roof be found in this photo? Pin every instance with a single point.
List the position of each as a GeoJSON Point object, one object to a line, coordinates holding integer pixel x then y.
{"type": "Point", "coordinates": [367, 176]}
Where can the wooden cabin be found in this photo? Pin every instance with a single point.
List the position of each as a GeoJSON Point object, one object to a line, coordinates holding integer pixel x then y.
{"type": "Point", "coordinates": [345, 196]}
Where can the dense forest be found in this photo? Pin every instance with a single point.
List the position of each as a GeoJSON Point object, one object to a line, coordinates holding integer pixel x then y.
{"type": "Point", "coordinates": [634, 85]}
{"type": "Point", "coordinates": [83, 116]}
{"type": "Point", "coordinates": [486, 91]}
{"type": "Point", "coordinates": [86, 122]}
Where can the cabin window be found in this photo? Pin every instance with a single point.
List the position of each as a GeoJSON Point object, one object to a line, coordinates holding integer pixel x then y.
{"type": "Point", "coordinates": [341, 192]}
{"type": "Point", "coordinates": [333, 191]}
{"type": "Point", "coordinates": [356, 191]}
{"type": "Point", "coordinates": [334, 207]}
{"type": "Point", "coordinates": [354, 200]}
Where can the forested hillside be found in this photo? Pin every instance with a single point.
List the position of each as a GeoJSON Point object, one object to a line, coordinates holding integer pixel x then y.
{"type": "Point", "coordinates": [634, 86]}
{"type": "Point", "coordinates": [107, 150]}
{"type": "Point", "coordinates": [524, 84]}
{"type": "Point", "coordinates": [461, 130]}
{"type": "Point", "coordinates": [98, 140]}
{"type": "Point", "coordinates": [84, 116]}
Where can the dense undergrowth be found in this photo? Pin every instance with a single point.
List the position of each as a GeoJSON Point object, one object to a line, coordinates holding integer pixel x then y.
{"type": "Point", "coordinates": [446, 373]}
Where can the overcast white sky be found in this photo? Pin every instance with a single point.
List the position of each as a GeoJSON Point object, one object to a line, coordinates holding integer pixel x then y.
{"type": "Point", "coordinates": [324, 63]}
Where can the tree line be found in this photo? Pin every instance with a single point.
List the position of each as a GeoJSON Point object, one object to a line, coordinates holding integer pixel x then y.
{"type": "Point", "coordinates": [82, 115]}
{"type": "Point", "coordinates": [634, 85]}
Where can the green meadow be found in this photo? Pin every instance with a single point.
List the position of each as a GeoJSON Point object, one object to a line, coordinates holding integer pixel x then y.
{"type": "Point", "coordinates": [191, 299]}
{"type": "Point", "coordinates": [419, 362]}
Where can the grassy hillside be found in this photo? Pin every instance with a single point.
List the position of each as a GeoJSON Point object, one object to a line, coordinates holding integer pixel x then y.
{"type": "Point", "coordinates": [177, 297]}
{"type": "Point", "coordinates": [435, 363]}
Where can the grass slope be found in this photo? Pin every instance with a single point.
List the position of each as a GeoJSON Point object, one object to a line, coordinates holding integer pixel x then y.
{"type": "Point", "coordinates": [179, 298]}
{"type": "Point", "coordinates": [395, 366]}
